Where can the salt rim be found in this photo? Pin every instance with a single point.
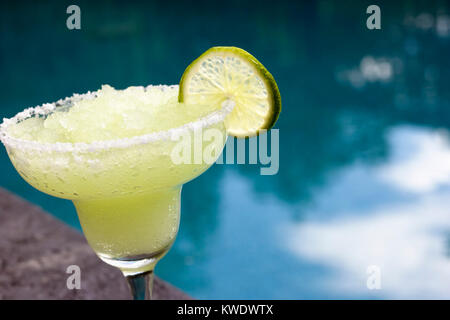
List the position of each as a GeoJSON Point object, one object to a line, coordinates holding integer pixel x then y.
{"type": "Point", "coordinates": [45, 109]}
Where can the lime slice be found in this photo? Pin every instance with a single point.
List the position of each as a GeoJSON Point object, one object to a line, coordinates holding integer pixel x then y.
{"type": "Point", "coordinates": [223, 73]}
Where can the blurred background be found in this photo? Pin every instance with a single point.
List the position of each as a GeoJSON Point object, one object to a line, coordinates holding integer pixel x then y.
{"type": "Point", "coordinates": [364, 176]}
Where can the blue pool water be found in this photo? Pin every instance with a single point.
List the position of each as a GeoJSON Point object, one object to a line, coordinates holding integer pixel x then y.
{"type": "Point", "coordinates": [364, 174]}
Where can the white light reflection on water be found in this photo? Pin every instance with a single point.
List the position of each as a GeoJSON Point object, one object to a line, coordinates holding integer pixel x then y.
{"type": "Point", "coordinates": [407, 237]}
{"type": "Point", "coordinates": [420, 161]}
{"type": "Point", "coordinates": [426, 21]}
{"type": "Point", "coordinates": [370, 70]}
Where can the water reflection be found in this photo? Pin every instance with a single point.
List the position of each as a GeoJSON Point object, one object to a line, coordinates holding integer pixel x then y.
{"type": "Point", "coordinates": [370, 70]}
{"type": "Point", "coordinates": [420, 160]}
{"type": "Point", "coordinates": [407, 237]}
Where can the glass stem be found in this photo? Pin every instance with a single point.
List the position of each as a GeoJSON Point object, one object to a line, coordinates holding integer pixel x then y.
{"type": "Point", "coordinates": [141, 285]}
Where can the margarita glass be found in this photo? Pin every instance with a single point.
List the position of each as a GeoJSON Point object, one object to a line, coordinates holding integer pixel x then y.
{"type": "Point", "coordinates": [123, 156]}
{"type": "Point", "coordinates": [126, 191]}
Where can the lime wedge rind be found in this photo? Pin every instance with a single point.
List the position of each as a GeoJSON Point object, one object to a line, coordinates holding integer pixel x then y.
{"type": "Point", "coordinates": [232, 73]}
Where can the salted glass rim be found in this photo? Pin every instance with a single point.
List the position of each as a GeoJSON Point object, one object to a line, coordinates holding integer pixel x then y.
{"type": "Point", "coordinates": [95, 146]}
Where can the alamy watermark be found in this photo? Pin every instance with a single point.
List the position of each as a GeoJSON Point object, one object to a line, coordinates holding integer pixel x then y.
{"type": "Point", "coordinates": [374, 277]}
{"type": "Point", "coordinates": [204, 146]}
{"type": "Point", "coordinates": [73, 281]}
{"type": "Point", "coordinates": [74, 20]}
{"type": "Point", "coordinates": [374, 20]}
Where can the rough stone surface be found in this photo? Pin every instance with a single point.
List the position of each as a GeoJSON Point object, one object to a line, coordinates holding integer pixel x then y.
{"type": "Point", "coordinates": [36, 249]}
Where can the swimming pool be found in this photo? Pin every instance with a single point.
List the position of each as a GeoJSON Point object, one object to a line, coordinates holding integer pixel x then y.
{"type": "Point", "coordinates": [363, 186]}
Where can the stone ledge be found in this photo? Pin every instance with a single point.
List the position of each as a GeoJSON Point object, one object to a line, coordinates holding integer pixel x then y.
{"type": "Point", "coordinates": [36, 249]}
